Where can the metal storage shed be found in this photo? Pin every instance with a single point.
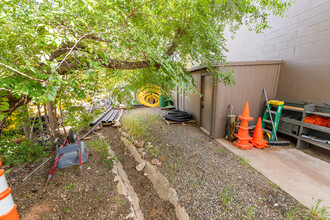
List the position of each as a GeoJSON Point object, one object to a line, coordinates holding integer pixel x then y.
{"type": "Point", "coordinates": [210, 110]}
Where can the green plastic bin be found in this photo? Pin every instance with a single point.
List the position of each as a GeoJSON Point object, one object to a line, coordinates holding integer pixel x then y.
{"type": "Point", "coordinates": [162, 101]}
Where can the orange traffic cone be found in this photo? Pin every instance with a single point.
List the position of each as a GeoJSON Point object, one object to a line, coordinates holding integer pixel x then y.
{"type": "Point", "coordinates": [246, 113]}
{"type": "Point", "coordinates": [243, 132]}
{"type": "Point", "coordinates": [258, 140]}
{"type": "Point", "coordinates": [7, 206]}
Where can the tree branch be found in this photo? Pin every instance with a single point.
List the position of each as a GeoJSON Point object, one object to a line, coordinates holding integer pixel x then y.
{"type": "Point", "coordinates": [8, 90]}
{"type": "Point", "coordinates": [20, 73]}
{"type": "Point", "coordinates": [174, 45]}
{"type": "Point", "coordinates": [59, 65]}
{"type": "Point", "coordinates": [134, 10]}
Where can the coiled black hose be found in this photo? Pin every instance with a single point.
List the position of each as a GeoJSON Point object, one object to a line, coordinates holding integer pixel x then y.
{"type": "Point", "coordinates": [179, 116]}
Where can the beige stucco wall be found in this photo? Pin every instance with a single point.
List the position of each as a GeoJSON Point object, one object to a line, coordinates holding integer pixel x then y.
{"type": "Point", "coordinates": [302, 40]}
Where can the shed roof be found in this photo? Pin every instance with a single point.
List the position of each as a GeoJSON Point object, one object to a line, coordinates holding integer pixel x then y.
{"type": "Point", "coordinates": [242, 63]}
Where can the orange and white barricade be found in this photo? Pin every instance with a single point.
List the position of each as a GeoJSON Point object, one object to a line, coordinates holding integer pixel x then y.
{"type": "Point", "coordinates": [7, 206]}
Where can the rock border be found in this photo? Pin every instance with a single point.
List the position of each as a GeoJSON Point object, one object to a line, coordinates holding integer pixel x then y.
{"type": "Point", "coordinates": [125, 188]}
{"type": "Point", "coordinates": [159, 181]}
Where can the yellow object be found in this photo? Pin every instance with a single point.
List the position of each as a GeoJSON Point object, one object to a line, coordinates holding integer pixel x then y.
{"type": "Point", "coordinates": [275, 102]}
{"type": "Point", "coordinates": [148, 93]}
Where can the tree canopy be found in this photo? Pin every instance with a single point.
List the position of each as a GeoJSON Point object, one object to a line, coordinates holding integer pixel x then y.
{"type": "Point", "coordinates": [49, 46]}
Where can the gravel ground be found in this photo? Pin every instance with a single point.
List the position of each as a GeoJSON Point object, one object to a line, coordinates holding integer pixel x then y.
{"type": "Point", "coordinates": [68, 195]}
{"type": "Point", "coordinates": [212, 182]}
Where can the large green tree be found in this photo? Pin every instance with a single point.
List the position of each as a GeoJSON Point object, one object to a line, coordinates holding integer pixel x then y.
{"type": "Point", "coordinates": [48, 45]}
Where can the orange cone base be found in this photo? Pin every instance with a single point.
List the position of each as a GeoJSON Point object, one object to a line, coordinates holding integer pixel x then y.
{"type": "Point", "coordinates": [243, 146]}
{"type": "Point", "coordinates": [11, 215]}
{"type": "Point", "coordinates": [243, 118]}
{"type": "Point", "coordinates": [259, 144]}
{"type": "Point", "coordinates": [243, 138]}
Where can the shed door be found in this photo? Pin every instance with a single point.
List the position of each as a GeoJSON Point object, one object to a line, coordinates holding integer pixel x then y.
{"type": "Point", "coordinates": [206, 103]}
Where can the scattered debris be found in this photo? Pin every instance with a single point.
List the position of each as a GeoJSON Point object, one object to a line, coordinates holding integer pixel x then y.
{"type": "Point", "coordinates": [117, 124]}
{"type": "Point", "coordinates": [140, 144]}
{"type": "Point", "coordinates": [36, 169]}
{"type": "Point", "coordinates": [156, 162]}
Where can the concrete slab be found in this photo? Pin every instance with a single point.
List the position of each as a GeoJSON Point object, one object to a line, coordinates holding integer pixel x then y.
{"type": "Point", "coordinates": [302, 176]}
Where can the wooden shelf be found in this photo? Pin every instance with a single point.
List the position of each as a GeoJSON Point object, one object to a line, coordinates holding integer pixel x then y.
{"type": "Point", "coordinates": [292, 108]}
{"type": "Point", "coordinates": [316, 127]}
{"type": "Point", "coordinates": [316, 143]}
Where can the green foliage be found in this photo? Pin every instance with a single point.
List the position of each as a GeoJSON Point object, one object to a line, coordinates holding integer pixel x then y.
{"type": "Point", "coordinates": [291, 214]}
{"type": "Point", "coordinates": [98, 145]}
{"type": "Point", "coordinates": [153, 150]}
{"type": "Point", "coordinates": [227, 195]}
{"type": "Point", "coordinates": [101, 146]}
{"type": "Point", "coordinates": [250, 212]}
{"type": "Point", "coordinates": [12, 153]}
{"type": "Point", "coordinates": [243, 161]}
{"type": "Point", "coordinates": [317, 211]}
{"type": "Point", "coordinates": [110, 161]}
{"type": "Point", "coordinates": [138, 123]}
{"type": "Point", "coordinates": [65, 48]}
{"type": "Point", "coordinates": [4, 106]}
{"type": "Point", "coordinates": [78, 118]}
{"type": "Point", "coordinates": [69, 186]}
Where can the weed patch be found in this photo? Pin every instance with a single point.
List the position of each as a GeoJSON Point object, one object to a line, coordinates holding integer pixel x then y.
{"type": "Point", "coordinates": [152, 150]}
{"type": "Point", "coordinates": [138, 124]}
{"type": "Point", "coordinates": [99, 145]}
{"type": "Point", "coordinates": [243, 161]}
{"type": "Point", "coordinates": [227, 195]}
{"type": "Point", "coordinates": [317, 211]}
{"type": "Point", "coordinates": [290, 215]}
{"type": "Point", "coordinates": [250, 212]}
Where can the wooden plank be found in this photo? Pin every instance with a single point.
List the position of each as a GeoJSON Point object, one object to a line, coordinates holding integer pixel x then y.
{"type": "Point", "coordinates": [169, 122]}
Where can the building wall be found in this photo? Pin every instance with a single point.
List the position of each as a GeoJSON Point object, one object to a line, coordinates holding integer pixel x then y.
{"type": "Point", "coordinates": [302, 40]}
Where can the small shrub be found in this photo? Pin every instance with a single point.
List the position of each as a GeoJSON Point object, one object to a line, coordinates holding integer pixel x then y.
{"type": "Point", "coordinates": [14, 154]}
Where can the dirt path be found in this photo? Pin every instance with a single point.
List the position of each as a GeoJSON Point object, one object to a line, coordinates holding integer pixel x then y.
{"type": "Point", "coordinates": [212, 182]}
{"type": "Point", "coordinates": [69, 195]}
{"type": "Point", "coordinates": [151, 205]}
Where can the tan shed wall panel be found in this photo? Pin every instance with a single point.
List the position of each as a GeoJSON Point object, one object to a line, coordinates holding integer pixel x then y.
{"type": "Point", "coordinates": [250, 81]}
{"type": "Point", "coordinates": [193, 102]}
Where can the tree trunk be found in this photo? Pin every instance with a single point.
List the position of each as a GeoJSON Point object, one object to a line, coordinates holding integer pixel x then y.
{"type": "Point", "coordinates": [47, 120]}
{"type": "Point", "coordinates": [26, 124]}
{"type": "Point", "coordinates": [53, 123]}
